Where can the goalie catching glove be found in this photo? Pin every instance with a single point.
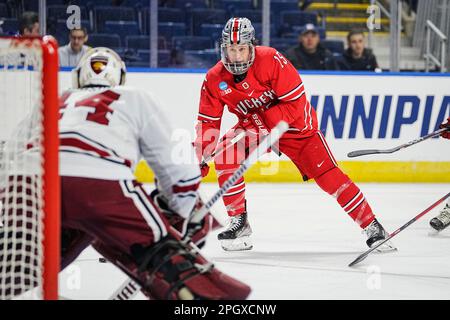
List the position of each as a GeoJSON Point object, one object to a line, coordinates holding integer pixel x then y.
{"type": "Point", "coordinates": [197, 231]}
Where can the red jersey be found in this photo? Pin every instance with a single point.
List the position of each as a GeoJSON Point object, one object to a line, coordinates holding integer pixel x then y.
{"type": "Point", "coordinates": [272, 88]}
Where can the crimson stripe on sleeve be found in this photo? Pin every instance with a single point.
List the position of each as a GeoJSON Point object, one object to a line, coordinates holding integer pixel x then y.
{"type": "Point", "coordinates": [179, 189]}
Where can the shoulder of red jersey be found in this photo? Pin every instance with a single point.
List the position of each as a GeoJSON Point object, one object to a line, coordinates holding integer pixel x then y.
{"type": "Point", "coordinates": [264, 53]}
{"type": "Point", "coordinates": [271, 64]}
{"type": "Point", "coordinates": [216, 72]}
{"type": "Point", "coordinates": [265, 59]}
{"type": "Point", "coordinates": [215, 76]}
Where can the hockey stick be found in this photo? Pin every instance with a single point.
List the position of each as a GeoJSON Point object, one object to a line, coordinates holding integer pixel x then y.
{"type": "Point", "coordinates": [130, 288]}
{"type": "Point", "coordinates": [220, 150]}
{"type": "Point", "coordinates": [393, 234]}
{"type": "Point", "coordinates": [358, 153]}
{"type": "Point", "coordinates": [265, 144]}
{"type": "Point", "coordinates": [262, 127]}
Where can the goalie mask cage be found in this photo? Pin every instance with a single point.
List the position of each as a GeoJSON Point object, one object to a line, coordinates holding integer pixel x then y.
{"type": "Point", "coordinates": [29, 180]}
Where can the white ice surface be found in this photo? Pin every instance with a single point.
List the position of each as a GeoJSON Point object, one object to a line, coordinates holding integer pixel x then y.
{"type": "Point", "coordinates": [303, 243]}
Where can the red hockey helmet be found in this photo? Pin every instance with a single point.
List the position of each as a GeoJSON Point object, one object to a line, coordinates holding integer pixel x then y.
{"type": "Point", "coordinates": [237, 32]}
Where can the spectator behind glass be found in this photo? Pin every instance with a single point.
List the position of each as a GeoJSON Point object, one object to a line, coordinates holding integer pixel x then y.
{"type": "Point", "coordinates": [70, 54]}
{"type": "Point", "coordinates": [29, 24]}
{"type": "Point", "coordinates": [357, 56]}
{"type": "Point", "coordinates": [310, 54]}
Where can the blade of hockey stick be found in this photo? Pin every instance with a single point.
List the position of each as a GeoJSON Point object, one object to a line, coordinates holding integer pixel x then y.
{"type": "Point", "coordinates": [393, 234]}
{"type": "Point", "coordinates": [359, 153]}
{"type": "Point", "coordinates": [266, 143]}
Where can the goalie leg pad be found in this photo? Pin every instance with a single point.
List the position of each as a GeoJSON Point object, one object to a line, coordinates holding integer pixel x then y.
{"type": "Point", "coordinates": [173, 270]}
{"type": "Point", "coordinates": [170, 270]}
{"type": "Point", "coordinates": [73, 242]}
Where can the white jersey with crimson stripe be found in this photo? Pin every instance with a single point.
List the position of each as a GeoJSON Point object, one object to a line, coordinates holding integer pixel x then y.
{"type": "Point", "coordinates": [104, 132]}
{"type": "Point", "coordinates": [272, 87]}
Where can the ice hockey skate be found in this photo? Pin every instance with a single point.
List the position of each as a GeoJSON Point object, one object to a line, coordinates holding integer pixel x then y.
{"type": "Point", "coordinates": [237, 235]}
{"type": "Point", "coordinates": [375, 234]}
{"type": "Point", "coordinates": [442, 220]}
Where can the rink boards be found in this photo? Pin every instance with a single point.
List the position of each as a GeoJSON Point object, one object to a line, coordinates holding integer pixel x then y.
{"type": "Point", "coordinates": [355, 111]}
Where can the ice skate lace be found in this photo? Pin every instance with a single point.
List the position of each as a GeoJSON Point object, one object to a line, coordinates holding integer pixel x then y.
{"type": "Point", "coordinates": [236, 223]}
{"type": "Point", "coordinates": [371, 229]}
{"type": "Point", "coordinates": [444, 215]}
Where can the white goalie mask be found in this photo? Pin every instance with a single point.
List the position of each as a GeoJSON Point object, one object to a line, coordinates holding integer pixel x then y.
{"type": "Point", "coordinates": [99, 67]}
{"type": "Point", "coordinates": [237, 32]}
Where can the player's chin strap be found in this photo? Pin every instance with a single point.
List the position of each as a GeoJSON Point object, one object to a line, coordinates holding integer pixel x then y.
{"type": "Point", "coordinates": [130, 288]}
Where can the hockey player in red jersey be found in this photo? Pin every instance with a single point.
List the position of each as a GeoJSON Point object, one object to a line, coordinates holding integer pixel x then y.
{"type": "Point", "coordinates": [105, 128]}
{"type": "Point", "coordinates": [261, 87]}
{"type": "Point", "coordinates": [442, 220]}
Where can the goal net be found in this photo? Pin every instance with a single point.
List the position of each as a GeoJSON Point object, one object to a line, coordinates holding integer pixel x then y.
{"type": "Point", "coordinates": [29, 182]}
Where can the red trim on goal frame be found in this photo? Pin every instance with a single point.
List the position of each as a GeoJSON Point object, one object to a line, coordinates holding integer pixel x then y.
{"type": "Point", "coordinates": [51, 180]}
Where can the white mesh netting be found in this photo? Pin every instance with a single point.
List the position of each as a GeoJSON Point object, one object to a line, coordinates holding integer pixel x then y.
{"type": "Point", "coordinates": [21, 202]}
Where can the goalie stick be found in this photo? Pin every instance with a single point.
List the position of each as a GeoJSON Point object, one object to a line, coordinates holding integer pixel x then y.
{"type": "Point", "coordinates": [393, 234]}
{"type": "Point", "coordinates": [130, 288]}
{"type": "Point", "coordinates": [359, 153]}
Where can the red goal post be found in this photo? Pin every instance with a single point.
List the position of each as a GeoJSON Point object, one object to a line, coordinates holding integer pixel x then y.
{"type": "Point", "coordinates": [29, 177]}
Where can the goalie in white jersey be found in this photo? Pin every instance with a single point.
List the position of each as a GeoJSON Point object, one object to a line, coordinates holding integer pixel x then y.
{"type": "Point", "coordinates": [105, 129]}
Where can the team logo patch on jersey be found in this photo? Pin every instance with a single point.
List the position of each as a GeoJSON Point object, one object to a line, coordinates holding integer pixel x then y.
{"type": "Point", "coordinates": [223, 85]}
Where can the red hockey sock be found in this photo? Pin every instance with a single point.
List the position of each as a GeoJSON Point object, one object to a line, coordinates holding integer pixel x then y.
{"type": "Point", "coordinates": [234, 199]}
{"type": "Point", "coordinates": [348, 195]}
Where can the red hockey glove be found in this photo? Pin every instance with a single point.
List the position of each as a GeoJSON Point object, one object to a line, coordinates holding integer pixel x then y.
{"type": "Point", "coordinates": [204, 168]}
{"type": "Point", "coordinates": [446, 134]}
{"type": "Point", "coordinates": [255, 123]}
